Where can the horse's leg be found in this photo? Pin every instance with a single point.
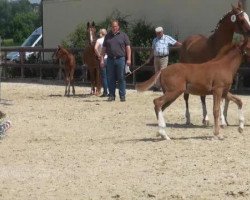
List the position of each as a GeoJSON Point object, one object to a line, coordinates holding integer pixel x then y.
{"type": "Point", "coordinates": [238, 101]}
{"type": "Point", "coordinates": [205, 119]}
{"type": "Point", "coordinates": [92, 80]}
{"type": "Point", "coordinates": [226, 104]}
{"type": "Point", "coordinates": [68, 92]}
{"type": "Point", "coordinates": [72, 81]}
{"type": "Point", "coordinates": [66, 82]}
{"type": "Point", "coordinates": [161, 104]}
{"type": "Point", "coordinates": [98, 81]}
{"type": "Point", "coordinates": [187, 114]}
{"type": "Point", "coordinates": [217, 95]}
{"type": "Point", "coordinates": [222, 116]}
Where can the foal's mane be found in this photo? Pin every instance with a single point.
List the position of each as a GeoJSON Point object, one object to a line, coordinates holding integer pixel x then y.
{"type": "Point", "coordinates": [64, 50]}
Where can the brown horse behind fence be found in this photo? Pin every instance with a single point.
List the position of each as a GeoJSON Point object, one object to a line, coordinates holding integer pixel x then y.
{"type": "Point", "coordinates": [91, 60]}
{"type": "Point", "coordinates": [69, 68]}
{"type": "Point", "coordinates": [200, 49]}
{"type": "Point", "coordinates": [214, 77]}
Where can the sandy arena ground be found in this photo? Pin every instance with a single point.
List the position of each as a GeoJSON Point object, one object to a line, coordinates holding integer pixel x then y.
{"type": "Point", "coordinates": [84, 147]}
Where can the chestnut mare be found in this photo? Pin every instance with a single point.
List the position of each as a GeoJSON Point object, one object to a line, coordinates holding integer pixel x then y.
{"type": "Point", "coordinates": [91, 60]}
{"type": "Point", "coordinates": [214, 77]}
{"type": "Point", "coordinates": [199, 49]}
{"type": "Point", "coordinates": [69, 68]}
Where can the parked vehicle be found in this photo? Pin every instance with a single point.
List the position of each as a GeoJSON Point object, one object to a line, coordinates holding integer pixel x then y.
{"type": "Point", "coordinates": [34, 40]}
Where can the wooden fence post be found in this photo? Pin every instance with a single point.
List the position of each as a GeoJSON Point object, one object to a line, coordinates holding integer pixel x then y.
{"type": "Point", "coordinates": [22, 58]}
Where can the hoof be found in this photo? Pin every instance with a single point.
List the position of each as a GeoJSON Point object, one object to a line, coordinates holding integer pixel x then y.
{"type": "Point", "coordinates": [218, 137]}
{"type": "Point", "coordinates": [161, 133]}
{"type": "Point", "coordinates": [158, 134]}
{"type": "Point", "coordinates": [240, 129]}
{"type": "Point", "coordinates": [205, 122]}
{"type": "Point", "coordinates": [223, 125]}
{"type": "Point", "coordinates": [165, 137]}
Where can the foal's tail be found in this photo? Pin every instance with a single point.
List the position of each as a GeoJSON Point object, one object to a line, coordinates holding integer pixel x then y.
{"type": "Point", "coordinates": [141, 87]}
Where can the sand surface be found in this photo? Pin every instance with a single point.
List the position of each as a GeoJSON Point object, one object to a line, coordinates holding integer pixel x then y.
{"type": "Point", "coordinates": [84, 147]}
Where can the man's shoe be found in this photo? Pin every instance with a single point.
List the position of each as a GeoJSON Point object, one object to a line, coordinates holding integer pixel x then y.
{"type": "Point", "coordinates": [104, 95]}
{"type": "Point", "coordinates": [122, 99]}
{"type": "Point", "coordinates": [111, 98]}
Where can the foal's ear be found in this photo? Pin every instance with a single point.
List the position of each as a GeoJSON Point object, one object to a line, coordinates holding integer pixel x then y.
{"type": "Point", "coordinates": [88, 24]}
{"type": "Point", "coordinates": [240, 6]}
{"type": "Point", "coordinates": [93, 24]}
{"type": "Point", "coordinates": [233, 7]}
{"type": "Point", "coordinates": [59, 46]}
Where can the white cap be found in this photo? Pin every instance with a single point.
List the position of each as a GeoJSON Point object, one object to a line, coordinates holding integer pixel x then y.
{"type": "Point", "coordinates": [159, 29]}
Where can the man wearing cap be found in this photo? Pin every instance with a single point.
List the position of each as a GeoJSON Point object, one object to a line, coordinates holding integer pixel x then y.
{"type": "Point", "coordinates": [160, 51]}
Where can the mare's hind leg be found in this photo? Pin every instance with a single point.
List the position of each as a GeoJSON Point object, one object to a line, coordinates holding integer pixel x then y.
{"type": "Point", "coordinates": [92, 80]}
{"type": "Point", "coordinates": [205, 119]}
{"type": "Point", "coordinates": [98, 81]}
{"type": "Point", "coordinates": [237, 100]}
{"type": "Point", "coordinates": [161, 104]}
{"type": "Point", "coordinates": [187, 113]}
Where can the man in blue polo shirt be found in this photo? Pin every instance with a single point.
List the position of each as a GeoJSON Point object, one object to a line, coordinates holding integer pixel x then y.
{"type": "Point", "coordinates": [160, 51]}
{"type": "Point", "coordinates": [117, 46]}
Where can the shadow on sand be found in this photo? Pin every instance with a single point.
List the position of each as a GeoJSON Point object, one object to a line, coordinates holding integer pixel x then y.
{"type": "Point", "coordinates": [176, 125]}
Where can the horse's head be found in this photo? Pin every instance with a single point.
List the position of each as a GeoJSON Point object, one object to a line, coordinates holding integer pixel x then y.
{"type": "Point", "coordinates": [240, 20]}
{"type": "Point", "coordinates": [59, 54]}
{"type": "Point", "coordinates": [91, 31]}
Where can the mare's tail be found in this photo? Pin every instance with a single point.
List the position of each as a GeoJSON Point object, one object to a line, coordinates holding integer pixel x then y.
{"type": "Point", "coordinates": [141, 87]}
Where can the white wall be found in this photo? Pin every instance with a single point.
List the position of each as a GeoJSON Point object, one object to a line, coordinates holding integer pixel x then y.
{"type": "Point", "coordinates": [185, 17]}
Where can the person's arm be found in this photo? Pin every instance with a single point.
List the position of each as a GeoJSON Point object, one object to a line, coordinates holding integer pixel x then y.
{"type": "Point", "coordinates": [128, 53]}
{"type": "Point", "coordinates": [102, 56]}
{"type": "Point", "coordinates": [97, 46]}
{"type": "Point", "coordinates": [177, 44]}
{"type": "Point", "coordinates": [151, 55]}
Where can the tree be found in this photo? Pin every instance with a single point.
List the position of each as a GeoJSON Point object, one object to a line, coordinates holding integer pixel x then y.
{"type": "Point", "coordinates": [5, 18]}
{"type": "Point", "coordinates": [18, 19]}
{"type": "Point", "coordinates": [22, 25]}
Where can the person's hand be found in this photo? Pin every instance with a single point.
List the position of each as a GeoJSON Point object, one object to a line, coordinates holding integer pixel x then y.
{"type": "Point", "coordinates": [128, 62]}
{"type": "Point", "coordinates": [127, 70]}
{"type": "Point", "coordinates": [101, 63]}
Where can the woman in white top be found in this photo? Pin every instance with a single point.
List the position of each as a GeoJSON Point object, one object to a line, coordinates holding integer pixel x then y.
{"type": "Point", "coordinates": [98, 51]}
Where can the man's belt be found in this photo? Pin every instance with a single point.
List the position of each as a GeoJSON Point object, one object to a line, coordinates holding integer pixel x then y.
{"type": "Point", "coordinates": [115, 57]}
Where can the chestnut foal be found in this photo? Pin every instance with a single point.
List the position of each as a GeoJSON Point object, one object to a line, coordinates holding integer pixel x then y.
{"type": "Point", "coordinates": [69, 69]}
{"type": "Point", "coordinates": [214, 77]}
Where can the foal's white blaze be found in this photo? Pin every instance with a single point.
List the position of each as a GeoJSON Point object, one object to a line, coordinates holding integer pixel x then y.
{"type": "Point", "coordinates": [162, 126]}
{"type": "Point", "coordinates": [91, 38]}
{"type": "Point", "coordinates": [241, 120]}
{"type": "Point", "coordinates": [246, 18]}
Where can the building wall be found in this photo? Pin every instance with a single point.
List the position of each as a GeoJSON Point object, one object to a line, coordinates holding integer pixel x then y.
{"type": "Point", "coordinates": [182, 17]}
